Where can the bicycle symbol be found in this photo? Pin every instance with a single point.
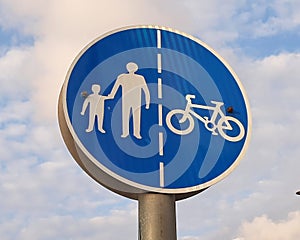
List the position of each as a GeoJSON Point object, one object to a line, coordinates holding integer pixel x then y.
{"type": "Point", "coordinates": [222, 125]}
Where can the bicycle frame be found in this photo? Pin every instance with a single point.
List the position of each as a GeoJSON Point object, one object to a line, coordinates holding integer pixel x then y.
{"type": "Point", "coordinates": [210, 124]}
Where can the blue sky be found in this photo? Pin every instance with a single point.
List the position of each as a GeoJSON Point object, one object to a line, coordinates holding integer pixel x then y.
{"type": "Point", "coordinates": [12, 37]}
{"type": "Point", "coordinates": [45, 195]}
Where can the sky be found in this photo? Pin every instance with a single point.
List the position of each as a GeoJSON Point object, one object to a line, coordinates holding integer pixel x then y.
{"type": "Point", "coordinates": [46, 195]}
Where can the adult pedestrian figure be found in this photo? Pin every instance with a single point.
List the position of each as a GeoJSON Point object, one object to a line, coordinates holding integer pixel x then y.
{"type": "Point", "coordinates": [132, 87]}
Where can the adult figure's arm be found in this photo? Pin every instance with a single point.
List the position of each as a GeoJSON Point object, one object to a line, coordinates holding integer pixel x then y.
{"type": "Point", "coordinates": [147, 93]}
{"type": "Point", "coordinates": [115, 88]}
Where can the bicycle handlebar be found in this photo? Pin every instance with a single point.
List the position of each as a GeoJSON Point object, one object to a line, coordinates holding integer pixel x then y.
{"type": "Point", "coordinates": [188, 97]}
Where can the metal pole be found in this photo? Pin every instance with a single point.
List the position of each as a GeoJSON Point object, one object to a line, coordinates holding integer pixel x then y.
{"type": "Point", "coordinates": [157, 217]}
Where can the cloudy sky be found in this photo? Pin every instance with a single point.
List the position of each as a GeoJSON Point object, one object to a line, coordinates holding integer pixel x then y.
{"type": "Point", "coordinates": [43, 192]}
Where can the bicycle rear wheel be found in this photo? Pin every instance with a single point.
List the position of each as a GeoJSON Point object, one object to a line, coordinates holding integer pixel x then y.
{"type": "Point", "coordinates": [180, 123]}
{"type": "Point", "coordinates": [236, 134]}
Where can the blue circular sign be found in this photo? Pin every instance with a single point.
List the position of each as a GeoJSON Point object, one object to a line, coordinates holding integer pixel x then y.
{"type": "Point", "coordinates": [155, 110]}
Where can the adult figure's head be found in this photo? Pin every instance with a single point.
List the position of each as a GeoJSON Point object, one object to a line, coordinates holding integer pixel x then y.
{"type": "Point", "coordinates": [132, 67]}
{"type": "Point", "coordinates": [96, 88]}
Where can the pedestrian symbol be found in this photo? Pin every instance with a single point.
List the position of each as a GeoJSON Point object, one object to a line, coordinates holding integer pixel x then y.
{"type": "Point", "coordinates": [96, 104]}
{"type": "Point", "coordinates": [132, 86]}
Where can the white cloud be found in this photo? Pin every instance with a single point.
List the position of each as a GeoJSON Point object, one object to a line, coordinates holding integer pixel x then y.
{"type": "Point", "coordinates": [267, 18]}
{"type": "Point", "coordinates": [15, 76]}
{"type": "Point", "coordinates": [268, 229]}
{"type": "Point", "coordinates": [72, 227]}
{"type": "Point", "coordinates": [190, 238]}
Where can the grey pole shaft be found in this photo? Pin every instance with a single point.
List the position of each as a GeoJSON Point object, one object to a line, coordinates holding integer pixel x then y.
{"type": "Point", "coordinates": [157, 217]}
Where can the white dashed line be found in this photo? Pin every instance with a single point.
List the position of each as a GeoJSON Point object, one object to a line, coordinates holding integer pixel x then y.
{"type": "Point", "coordinates": [158, 39]}
{"type": "Point", "coordinates": [161, 174]}
{"type": "Point", "coordinates": [160, 120]}
{"type": "Point", "coordinates": [160, 114]}
{"type": "Point", "coordinates": [159, 63]}
{"type": "Point", "coordinates": [159, 88]}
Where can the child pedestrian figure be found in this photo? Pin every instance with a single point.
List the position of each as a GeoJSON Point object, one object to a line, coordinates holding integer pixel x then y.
{"type": "Point", "coordinates": [96, 104]}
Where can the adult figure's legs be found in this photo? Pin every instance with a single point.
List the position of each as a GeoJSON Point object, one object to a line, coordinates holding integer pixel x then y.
{"type": "Point", "coordinates": [100, 123]}
{"type": "Point", "coordinates": [137, 122]}
{"type": "Point", "coordinates": [125, 118]}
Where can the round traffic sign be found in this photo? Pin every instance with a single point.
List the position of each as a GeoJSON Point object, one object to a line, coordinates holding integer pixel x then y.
{"type": "Point", "coordinates": [152, 109]}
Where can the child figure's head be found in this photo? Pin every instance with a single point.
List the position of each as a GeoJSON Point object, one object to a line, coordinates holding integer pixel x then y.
{"type": "Point", "coordinates": [96, 88]}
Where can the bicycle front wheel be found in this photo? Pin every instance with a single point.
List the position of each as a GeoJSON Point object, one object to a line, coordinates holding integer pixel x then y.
{"type": "Point", "coordinates": [180, 123]}
{"type": "Point", "coordinates": [234, 129]}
